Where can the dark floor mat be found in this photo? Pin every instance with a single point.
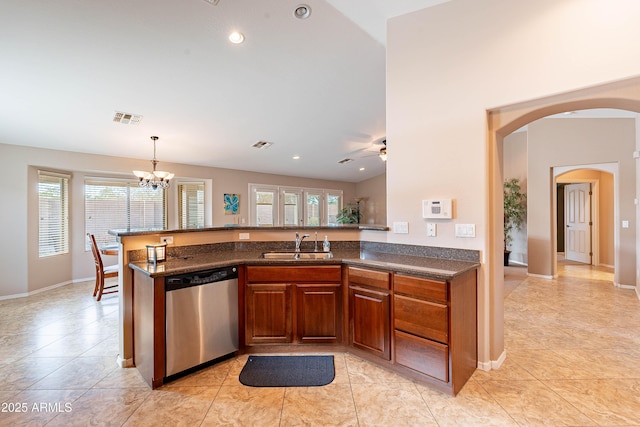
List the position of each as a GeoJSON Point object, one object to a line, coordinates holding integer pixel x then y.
{"type": "Point", "coordinates": [288, 371]}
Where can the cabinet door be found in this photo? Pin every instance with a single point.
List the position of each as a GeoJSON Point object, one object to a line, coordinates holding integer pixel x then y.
{"type": "Point", "coordinates": [369, 321]}
{"type": "Point", "coordinates": [319, 309]}
{"type": "Point", "coordinates": [268, 313]}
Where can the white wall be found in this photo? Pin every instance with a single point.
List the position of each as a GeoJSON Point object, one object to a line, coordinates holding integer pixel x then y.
{"type": "Point", "coordinates": [447, 65]}
{"type": "Point", "coordinates": [374, 205]}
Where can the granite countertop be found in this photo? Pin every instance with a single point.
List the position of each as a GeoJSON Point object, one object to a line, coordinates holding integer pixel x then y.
{"type": "Point", "coordinates": [437, 268]}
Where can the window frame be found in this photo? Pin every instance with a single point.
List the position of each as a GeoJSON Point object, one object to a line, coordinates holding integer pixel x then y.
{"type": "Point", "coordinates": [102, 238]}
{"type": "Point", "coordinates": [61, 244]}
{"type": "Point", "coordinates": [303, 209]}
{"type": "Point", "coordinates": [201, 204]}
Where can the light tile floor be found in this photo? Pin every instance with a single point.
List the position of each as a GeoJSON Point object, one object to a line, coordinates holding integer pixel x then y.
{"type": "Point", "coordinates": [573, 358]}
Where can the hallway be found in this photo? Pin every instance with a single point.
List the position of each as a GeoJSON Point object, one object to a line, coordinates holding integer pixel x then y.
{"type": "Point", "coordinates": [573, 348]}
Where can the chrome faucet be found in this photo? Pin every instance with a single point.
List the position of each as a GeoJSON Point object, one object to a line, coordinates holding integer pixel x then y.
{"type": "Point", "coordinates": [299, 240]}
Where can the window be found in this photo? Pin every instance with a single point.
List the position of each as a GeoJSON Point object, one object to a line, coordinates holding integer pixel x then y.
{"type": "Point", "coordinates": [291, 200]}
{"type": "Point", "coordinates": [275, 205]}
{"type": "Point", "coordinates": [263, 205]}
{"type": "Point", "coordinates": [53, 214]}
{"type": "Point", "coordinates": [113, 205]}
{"type": "Point", "coordinates": [313, 207]}
{"type": "Point", "coordinates": [334, 204]}
{"type": "Point", "coordinates": [191, 204]}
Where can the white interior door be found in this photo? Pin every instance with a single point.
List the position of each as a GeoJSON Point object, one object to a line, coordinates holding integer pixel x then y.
{"type": "Point", "coordinates": [578, 222]}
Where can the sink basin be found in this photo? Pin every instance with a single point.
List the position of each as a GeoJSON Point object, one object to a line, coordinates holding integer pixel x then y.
{"type": "Point", "coordinates": [297, 255]}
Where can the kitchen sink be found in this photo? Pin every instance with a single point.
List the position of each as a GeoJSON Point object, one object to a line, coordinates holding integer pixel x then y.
{"type": "Point", "coordinates": [296, 255]}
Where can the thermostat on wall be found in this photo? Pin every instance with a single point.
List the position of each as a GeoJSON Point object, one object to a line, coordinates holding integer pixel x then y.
{"type": "Point", "coordinates": [437, 209]}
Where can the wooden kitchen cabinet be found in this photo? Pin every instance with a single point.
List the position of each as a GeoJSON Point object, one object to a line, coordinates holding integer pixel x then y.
{"type": "Point", "coordinates": [285, 304]}
{"type": "Point", "coordinates": [269, 313]}
{"type": "Point", "coordinates": [319, 308]}
{"type": "Point", "coordinates": [369, 311]}
{"type": "Point", "coordinates": [435, 329]}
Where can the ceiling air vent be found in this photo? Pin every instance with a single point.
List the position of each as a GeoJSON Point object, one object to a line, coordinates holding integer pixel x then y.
{"type": "Point", "coordinates": [343, 161]}
{"type": "Point", "coordinates": [127, 118]}
{"type": "Point", "coordinates": [262, 144]}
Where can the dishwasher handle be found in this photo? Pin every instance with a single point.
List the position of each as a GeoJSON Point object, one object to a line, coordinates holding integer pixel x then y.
{"type": "Point", "coordinates": [173, 283]}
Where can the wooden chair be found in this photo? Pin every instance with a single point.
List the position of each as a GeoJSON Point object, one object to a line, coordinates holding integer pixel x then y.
{"type": "Point", "coordinates": [102, 272]}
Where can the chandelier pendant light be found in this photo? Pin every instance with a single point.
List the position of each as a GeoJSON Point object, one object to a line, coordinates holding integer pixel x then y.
{"type": "Point", "coordinates": [155, 178]}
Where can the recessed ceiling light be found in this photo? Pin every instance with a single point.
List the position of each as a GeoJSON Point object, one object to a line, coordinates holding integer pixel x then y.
{"type": "Point", "coordinates": [302, 11]}
{"type": "Point", "coordinates": [361, 169]}
{"type": "Point", "coordinates": [296, 157]}
{"type": "Point", "coordinates": [236, 37]}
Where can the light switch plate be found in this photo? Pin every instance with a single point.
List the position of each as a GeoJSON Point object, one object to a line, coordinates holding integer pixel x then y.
{"type": "Point", "coordinates": [625, 224]}
{"type": "Point", "coordinates": [465, 230]}
{"type": "Point", "coordinates": [432, 229]}
{"type": "Point", "coordinates": [244, 236]}
{"type": "Point", "coordinates": [401, 227]}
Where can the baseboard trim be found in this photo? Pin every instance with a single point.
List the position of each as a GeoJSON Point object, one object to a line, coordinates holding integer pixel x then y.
{"type": "Point", "coordinates": [541, 276]}
{"type": "Point", "coordinates": [493, 364]}
{"type": "Point", "coordinates": [37, 291]}
{"type": "Point", "coordinates": [606, 265]}
{"type": "Point", "coordinates": [524, 264]}
{"type": "Point", "coordinates": [621, 286]}
{"type": "Point", "coordinates": [125, 363]}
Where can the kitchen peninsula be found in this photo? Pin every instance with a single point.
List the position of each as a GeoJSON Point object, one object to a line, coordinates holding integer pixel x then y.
{"type": "Point", "coordinates": [411, 309]}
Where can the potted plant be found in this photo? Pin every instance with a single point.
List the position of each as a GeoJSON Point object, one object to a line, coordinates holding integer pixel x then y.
{"type": "Point", "coordinates": [515, 211]}
{"type": "Point", "coordinates": [349, 214]}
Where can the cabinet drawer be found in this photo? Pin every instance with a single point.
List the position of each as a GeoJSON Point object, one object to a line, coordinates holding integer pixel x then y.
{"type": "Point", "coordinates": [376, 279]}
{"type": "Point", "coordinates": [423, 288]}
{"type": "Point", "coordinates": [422, 355]}
{"type": "Point", "coordinates": [423, 318]}
{"type": "Point", "coordinates": [328, 273]}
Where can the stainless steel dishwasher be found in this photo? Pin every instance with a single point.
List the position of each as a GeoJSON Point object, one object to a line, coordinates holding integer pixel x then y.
{"type": "Point", "coordinates": [201, 318]}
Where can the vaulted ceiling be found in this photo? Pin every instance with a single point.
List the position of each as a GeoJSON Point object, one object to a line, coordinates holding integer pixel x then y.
{"type": "Point", "coordinates": [313, 87]}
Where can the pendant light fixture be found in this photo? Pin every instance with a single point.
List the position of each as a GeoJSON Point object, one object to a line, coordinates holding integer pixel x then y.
{"type": "Point", "coordinates": [155, 178]}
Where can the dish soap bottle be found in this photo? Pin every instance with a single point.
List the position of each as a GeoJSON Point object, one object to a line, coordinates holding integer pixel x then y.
{"type": "Point", "coordinates": [326, 246]}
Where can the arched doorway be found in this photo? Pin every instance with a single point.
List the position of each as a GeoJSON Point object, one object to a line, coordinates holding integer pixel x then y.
{"type": "Point", "coordinates": [501, 122]}
{"type": "Point", "coordinates": [602, 199]}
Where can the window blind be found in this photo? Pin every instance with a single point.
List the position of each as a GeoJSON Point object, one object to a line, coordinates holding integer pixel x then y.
{"type": "Point", "coordinates": [53, 211]}
{"type": "Point", "coordinates": [191, 204]}
{"type": "Point", "coordinates": [118, 205]}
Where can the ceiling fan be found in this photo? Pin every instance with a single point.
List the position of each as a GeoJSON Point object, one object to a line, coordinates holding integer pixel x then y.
{"type": "Point", "coordinates": [377, 148]}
